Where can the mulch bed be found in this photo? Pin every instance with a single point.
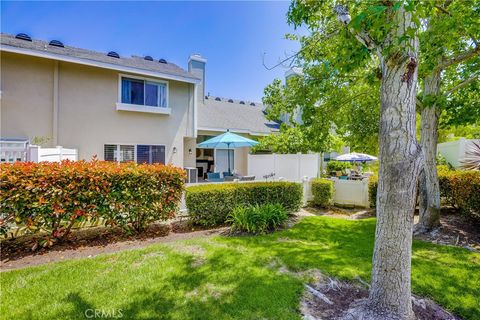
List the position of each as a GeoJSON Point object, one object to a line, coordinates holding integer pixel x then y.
{"type": "Point", "coordinates": [456, 230]}
{"type": "Point", "coordinates": [328, 298]}
{"type": "Point", "coordinates": [88, 242]}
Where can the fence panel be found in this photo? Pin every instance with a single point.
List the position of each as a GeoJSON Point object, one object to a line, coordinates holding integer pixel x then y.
{"type": "Point", "coordinates": [351, 192]}
{"type": "Point", "coordinates": [291, 167]}
{"type": "Point", "coordinates": [38, 154]}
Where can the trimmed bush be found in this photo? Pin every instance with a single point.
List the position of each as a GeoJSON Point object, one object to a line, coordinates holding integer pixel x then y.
{"type": "Point", "coordinates": [257, 219]}
{"type": "Point", "coordinates": [322, 191]}
{"type": "Point", "coordinates": [210, 204]}
{"type": "Point", "coordinates": [372, 190]}
{"type": "Point", "coordinates": [52, 197]}
{"type": "Point", "coordinates": [459, 188]}
{"type": "Point", "coordinates": [334, 165]}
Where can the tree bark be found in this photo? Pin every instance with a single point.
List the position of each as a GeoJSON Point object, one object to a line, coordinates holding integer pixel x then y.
{"type": "Point", "coordinates": [400, 160]}
{"type": "Point", "coordinates": [429, 205]}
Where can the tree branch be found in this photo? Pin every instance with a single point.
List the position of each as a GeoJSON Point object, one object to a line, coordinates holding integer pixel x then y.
{"type": "Point", "coordinates": [462, 84]}
{"type": "Point", "coordinates": [362, 36]}
{"type": "Point", "coordinates": [458, 58]}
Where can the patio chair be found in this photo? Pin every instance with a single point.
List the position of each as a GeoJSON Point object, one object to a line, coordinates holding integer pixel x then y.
{"type": "Point", "coordinates": [214, 177]}
{"type": "Point", "coordinates": [227, 174]}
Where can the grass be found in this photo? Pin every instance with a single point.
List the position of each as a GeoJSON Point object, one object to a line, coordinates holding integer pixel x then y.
{"type": "Point", "coordinates": [230, 278]}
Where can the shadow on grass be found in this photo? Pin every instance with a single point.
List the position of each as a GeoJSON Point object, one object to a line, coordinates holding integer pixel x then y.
{"type": "Point", "coordinates": [225, 284]}
{"type": "Point", "coordinates": [343, 248]}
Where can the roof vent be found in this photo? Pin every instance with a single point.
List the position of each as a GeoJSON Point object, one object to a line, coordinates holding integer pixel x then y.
{"type": "Point", "coordinates": [252, 104]}
{"type": "Point", "coordinates": [162, 61]}
{"type": "Point", "coordinates": [113, 54]}
{"type": "Point", "coordinates": [149, 58]}
{"type": "Point", "coordinates": [230, 100]}
{"type": "Point", "coordinates": [242, 102]}
{"type": "Point", "coordinates": [56, 43]}
{"type": "Point", "coordinates": [23, 36]}
{"type": "Point", "coordinates": [218, 99]}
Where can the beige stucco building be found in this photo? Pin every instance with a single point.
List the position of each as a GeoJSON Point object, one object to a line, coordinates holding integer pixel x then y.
{"type": "Point", "coordinates": [118, 108]}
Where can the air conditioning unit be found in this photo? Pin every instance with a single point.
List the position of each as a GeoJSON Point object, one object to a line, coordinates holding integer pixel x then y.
{"type": "Point", "coordinates": [192, 175]}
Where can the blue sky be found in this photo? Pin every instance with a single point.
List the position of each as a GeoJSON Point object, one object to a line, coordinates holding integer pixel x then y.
{"type": "Point", "coordinates": [233, 36]}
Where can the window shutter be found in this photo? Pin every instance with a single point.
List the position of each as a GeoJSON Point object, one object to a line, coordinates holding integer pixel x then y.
{"type": "Point", "coordinates": [109, 152]}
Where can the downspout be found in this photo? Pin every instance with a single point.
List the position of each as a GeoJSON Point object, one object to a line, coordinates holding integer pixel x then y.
{"type": "Point", "coordinates": [195, 106]}
{"type": "Point", "coordinates": [55, 105]}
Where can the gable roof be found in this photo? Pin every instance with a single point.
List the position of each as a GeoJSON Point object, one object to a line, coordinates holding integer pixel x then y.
{"type": "Point", "coordinates": [136, 65]}
{"type": "Point", "coordinates": [214, 115]}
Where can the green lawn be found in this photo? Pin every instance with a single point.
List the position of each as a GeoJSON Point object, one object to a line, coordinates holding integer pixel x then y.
{"type": "Point", "coordinates": [230, 278]}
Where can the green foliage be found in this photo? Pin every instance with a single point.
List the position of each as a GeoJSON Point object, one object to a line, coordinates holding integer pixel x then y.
{"type": "Point", "coordinates": [257, 219]}
{"type": "Point", "coordinates": [53, 197]}
{"type": "Point", "coordinates": [334, 165]}
{"type": "Point", "coordinates": [322, 191]}
{"type": "Point", "coordinates": [289, 140]}
{"type": "Point", "coordinates": [459, 188]}
{"type": "Point", "coordinates": [440, 160]}
{"type": "Point", "coordinates": [372, 190]}
{"type": "Point", "coordinates": [210, 204]}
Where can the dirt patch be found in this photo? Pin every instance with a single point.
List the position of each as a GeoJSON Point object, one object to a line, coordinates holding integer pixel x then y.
{"type": "Point", "coordinates": [455, 230]}
{"type": "Point", "coordinates": [345, 213]}
{"type": "Point", "coordinates": [17, 253]}
{"type": "Point", "coordinates": [328, 298]}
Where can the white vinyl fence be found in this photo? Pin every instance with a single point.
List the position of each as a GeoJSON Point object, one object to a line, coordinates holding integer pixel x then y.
{"type": "Point", "coordinates": [454, 151]}
{"type": "Point", "coordinates": [303, 168]}
{"type": "Point", "coordinates": [38, 154]}
{"type": "Point", "coordinates": [14, 151]}
{"type": "Point", "coordinates": [347, 192]}
{"type": "Point", "coordinates": [291, 167]}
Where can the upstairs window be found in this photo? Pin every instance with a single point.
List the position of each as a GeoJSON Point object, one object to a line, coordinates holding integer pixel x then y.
{"type": "Point", "coordinates": [144, 92]}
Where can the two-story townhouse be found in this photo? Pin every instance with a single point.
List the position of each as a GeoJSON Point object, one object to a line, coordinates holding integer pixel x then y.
{"type": "Point", "coordinates": [118, 108]}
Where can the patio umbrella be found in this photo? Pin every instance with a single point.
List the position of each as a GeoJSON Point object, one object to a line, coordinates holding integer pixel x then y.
{"type": "Point", "coordinates": [227, 140]}
{"type": "Point", "coordinates": [354, 157]}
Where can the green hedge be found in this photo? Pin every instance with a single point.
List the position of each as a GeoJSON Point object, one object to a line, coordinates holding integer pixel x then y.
{"type": "Point", "coordinates": [210, 204]}
{"type": "Point", "coordinates": [334, 165]}
{"type": "Point", "coordinates": [372, 190]}
{"type": "Point", "coordinates": [459, 188]}
{"type": "Point", "coordinates": [322, 191]}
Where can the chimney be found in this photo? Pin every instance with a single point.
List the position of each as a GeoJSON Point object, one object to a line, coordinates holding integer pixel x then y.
{"type": "Point", "coordinates": [196, 66]}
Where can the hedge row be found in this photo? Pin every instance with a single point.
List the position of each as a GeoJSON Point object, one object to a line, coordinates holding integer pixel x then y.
{"type": "Point", "coordinates": [322, 191]}
{"type": "Point", "coordinates": [210, 204]}
{"type": "Point", "coordinates": [459, 188]}
{"type": "Point", "coordinates": [52, 197]}
{"type": "Point", "coordinates": [334, 165]}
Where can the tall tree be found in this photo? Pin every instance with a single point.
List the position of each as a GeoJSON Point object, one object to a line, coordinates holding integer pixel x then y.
{"type": "Point", "coordinates": [384, 34]}
{"type": "Point", "coordinates": [449, 47]}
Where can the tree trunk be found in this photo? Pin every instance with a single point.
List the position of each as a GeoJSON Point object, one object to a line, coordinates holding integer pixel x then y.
{"type": "Point", "coordinates": [429, 206]}
{"type": "Point", "coordinates": [400, 160]}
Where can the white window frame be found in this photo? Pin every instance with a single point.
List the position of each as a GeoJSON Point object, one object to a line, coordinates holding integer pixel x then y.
{"type": "Point", "coordinates": [135, 145]}
{"type": "Point", "coordinates": [139, 107]}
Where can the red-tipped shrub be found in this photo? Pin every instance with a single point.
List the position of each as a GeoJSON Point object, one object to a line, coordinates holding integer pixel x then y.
{"type": "Point", "coordinates": [52, 197]}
